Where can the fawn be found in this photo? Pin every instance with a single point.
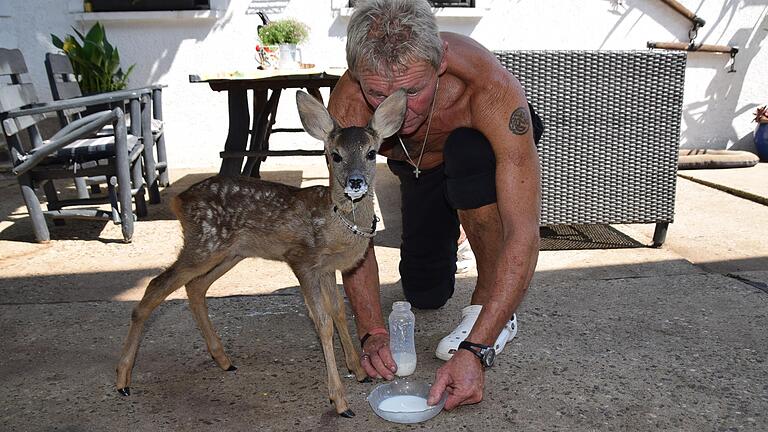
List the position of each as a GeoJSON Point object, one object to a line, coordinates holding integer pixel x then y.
{"type": "Point", "coordinates": [315, 230]}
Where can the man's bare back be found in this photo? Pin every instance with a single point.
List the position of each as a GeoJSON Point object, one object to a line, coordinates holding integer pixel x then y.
{"type": "Point", "coordinates": [474, 78]}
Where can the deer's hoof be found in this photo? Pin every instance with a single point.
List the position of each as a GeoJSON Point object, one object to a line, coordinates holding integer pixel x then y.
{"type": "Point", "coordinates": [347, 414]}
{"type": "Point", "coordinates": [232, 368]}
{"type": "Point", "coordinates": [126, 391]}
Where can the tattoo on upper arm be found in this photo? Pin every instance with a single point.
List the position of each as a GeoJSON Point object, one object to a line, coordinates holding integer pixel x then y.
{"type": "Point", "coordinates": [519, 122]}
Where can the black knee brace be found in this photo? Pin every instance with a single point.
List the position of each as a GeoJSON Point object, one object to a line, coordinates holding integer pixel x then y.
{"type": "Point", "coordinates": [470, 169]}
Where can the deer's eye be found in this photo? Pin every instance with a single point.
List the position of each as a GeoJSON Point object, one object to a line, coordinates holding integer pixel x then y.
{"type": "Point", "coordinates": [371, 155]}
{"type": "Point", "coordinates": [336, 157]}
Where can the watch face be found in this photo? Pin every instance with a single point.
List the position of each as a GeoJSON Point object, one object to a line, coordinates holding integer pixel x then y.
{"type": "Point", "coordinates": [489, 357]}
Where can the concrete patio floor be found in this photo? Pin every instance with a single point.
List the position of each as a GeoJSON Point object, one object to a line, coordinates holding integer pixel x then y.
{"type": "Point", "coordinates": [623, 337]}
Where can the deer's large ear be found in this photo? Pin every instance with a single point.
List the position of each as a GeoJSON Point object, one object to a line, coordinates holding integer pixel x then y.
{"type": "Point", "coordinates": [389, 115]}
{"type": "Point", "coordinates": [315, 118]}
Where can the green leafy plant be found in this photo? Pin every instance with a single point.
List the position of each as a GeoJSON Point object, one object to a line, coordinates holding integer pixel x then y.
{"type": "Point", "coordinates": [95, 61]}
{"type": "Point", "coordinates": [287, 31]}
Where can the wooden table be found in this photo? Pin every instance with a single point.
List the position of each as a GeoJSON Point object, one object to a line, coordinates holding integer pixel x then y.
{"type": "Point", "coordinates": [267, 87]}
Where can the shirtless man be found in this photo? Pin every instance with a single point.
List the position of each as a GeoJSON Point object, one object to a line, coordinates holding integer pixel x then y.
{"type": "Point", "coordinates": [465, 154]}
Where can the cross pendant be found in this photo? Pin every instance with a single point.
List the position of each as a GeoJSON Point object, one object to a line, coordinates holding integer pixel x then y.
{"type": "Point", "coordinates": [416, 172]}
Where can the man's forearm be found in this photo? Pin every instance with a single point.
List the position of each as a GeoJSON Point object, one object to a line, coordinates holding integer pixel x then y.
{"type": "Point", "coordinates": [362, 287]}
{"type": "Point", "coordinates": [514, 271]}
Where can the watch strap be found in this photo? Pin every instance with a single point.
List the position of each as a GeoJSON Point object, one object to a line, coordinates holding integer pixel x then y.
{"type": "Point", "coordinates": [475, 349]}
{"type": "Point", "coordinates": [469, 346]}
{"type": "Point", "coordinates": [371, 332]}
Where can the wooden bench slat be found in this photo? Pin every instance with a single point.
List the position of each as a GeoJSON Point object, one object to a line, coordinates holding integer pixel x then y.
{"type": "Point", "coordinates": [16, 96]}
{"type": "Point", "coordinates": [68, 90]}
{"type": "Point", "coordinates": [14, 125]}
{"type": "Point", "coordinates": [59, 63]}
{"type": "Point", "coordinates": [12, 62]}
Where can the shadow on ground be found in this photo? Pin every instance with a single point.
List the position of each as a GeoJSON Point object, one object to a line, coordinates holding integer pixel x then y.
{"type": "Point", "coordinates": [629, 339]}
{"type": "Point", "coordinates": [559, 237]}
{"type": "Point", "coordinates": [576, 237]}
{"type": "Point", "coordinates": [683, 352]}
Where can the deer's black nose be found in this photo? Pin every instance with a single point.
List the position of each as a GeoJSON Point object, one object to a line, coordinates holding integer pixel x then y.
{"type": "Point", "coordinates": [355, 182]}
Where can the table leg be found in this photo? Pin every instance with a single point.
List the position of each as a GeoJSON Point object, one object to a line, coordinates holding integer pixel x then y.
{"type": "Point", "coordinates": [149, 147]}
{"type": "Point", "coordinates": [261, 110]}
{"type": "Point", "coordinates": [139, 182]}
{"type": "Point", "coordinates": [162, 155]}
{"type": "Point", "coordinates": [315, 91]}
{"type": "Point", "coordinates": [237, 137]}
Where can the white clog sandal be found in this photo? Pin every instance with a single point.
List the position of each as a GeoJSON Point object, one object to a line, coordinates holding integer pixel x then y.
{"type": "Point", "coordinates": [449, 344]}
{"type": "Point", "coordinates": [465, 258]}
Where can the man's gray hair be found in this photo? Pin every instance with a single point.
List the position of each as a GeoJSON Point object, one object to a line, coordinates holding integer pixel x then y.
{"type": "Point", "coordinates": [387, 34]}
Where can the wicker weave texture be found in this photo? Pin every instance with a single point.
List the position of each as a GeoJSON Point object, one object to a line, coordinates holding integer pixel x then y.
{"type": "Point", "coordinates": [612, 130]}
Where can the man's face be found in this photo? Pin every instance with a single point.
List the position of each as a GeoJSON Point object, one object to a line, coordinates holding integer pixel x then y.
{"type": "Point", "coordinates": [418, 81]}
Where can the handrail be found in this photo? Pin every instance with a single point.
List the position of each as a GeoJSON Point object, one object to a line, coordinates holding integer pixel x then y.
{"type": "Point", "coordinates": [78, 124]}
{"type": "Point", "coordinates": [682, 46]}
{"type": "Point", "coordinates": [682, 10]}
{"type": "Point", "coordinates": [696, 23]}
{"type": "Point", "coordinates": [85, 126]}
{"type": "Point", "coordinates": [101, 98]}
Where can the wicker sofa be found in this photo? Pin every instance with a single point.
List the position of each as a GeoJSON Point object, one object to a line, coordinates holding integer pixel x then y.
{"type": "Point", "coordinates": [612, 119]}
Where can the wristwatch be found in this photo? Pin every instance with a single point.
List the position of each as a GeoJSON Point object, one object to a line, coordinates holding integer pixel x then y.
{"type": "Point", "coordinates": [485, 353]}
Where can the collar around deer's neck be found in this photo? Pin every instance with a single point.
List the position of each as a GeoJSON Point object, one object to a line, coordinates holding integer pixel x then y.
{"type": "Point", "coordinates": [362, 232]}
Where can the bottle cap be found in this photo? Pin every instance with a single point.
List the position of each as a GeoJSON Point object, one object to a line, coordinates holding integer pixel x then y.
{"type": "Point", "coordinates": [401, 305]}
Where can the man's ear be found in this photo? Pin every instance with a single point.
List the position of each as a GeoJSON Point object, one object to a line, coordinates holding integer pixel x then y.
{"type": "Point", "coordinates": [389, 115]}
{"type": "Point", "coordinates": [315, 118]}
{"type": "Point", "coordinates": [443, 66]}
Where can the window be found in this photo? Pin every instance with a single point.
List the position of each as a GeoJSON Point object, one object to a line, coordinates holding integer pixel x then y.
{"type": "Point", "coordinates": [452, 3]}
{"type": "Point", "coordinates": [440, 3]}
{"type": "Point", "coordinates": [147, 5]}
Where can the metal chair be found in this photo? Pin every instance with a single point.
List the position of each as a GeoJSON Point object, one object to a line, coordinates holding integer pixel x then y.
{"type": "Point", "coordinates": [64, 85]}
{"type": "Point", "coordinates": [72, 151]}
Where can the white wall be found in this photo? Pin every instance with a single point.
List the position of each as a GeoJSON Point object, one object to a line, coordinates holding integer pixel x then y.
{"type": "Point", "coordinates": [7, 26]}
{"type": "Point", "coordinates": [717, 108]}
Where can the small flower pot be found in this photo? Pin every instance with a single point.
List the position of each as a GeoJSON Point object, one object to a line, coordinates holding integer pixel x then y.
{"type": "Point", "coordinates": [289, 57]}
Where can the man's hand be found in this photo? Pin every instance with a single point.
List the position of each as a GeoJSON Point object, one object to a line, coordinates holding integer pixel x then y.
{"type": "Point", "coordinates": [377, 358]}
{"type": "Point", "coordinates": [462, 377]}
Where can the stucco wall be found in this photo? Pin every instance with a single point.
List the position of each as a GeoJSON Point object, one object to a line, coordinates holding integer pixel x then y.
{"type": "Point", "coordinates": [717, 108]}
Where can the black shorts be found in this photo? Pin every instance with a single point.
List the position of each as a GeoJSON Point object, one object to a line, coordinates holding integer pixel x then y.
{"type": "Point", "coordinates": [429, 204]}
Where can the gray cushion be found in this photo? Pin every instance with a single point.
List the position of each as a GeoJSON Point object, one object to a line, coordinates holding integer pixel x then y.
{"type": "Point", "coordinates": [710, 158]}
{"type": "Point", "coordinates": [89, 149]}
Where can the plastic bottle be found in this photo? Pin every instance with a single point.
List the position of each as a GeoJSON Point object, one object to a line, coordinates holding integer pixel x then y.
{"type": "Point", "coordinates": [401, 326]}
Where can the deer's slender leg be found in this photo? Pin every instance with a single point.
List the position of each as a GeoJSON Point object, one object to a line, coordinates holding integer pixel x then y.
{"type": "Point", "coordinates": [319, 310]}
{"type": "Point", "coordinates": [196, 289]}
{"type": "Point", "coordinates": [333, 296]}
{"type": "Point", "coordinates": [178, 274]}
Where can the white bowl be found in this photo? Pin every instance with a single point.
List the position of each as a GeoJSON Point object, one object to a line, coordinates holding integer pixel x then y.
{"type": "Point", "coordinates": [404, 387]}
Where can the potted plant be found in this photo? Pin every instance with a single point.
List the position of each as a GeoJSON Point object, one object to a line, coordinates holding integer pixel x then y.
{"type": "Point", "coordinates": [95, 61]}
{"type": "Point", "coordinates": [761, 133]}
{"type": "Point", "coordinates": [281, 37]}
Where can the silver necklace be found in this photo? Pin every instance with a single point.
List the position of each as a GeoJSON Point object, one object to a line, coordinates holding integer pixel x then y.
{"type": "Point", "coordinates": [416, 170]}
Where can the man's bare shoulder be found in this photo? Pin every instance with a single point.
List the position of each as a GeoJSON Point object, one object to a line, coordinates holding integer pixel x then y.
{"type": "Point", "coordinates": [486, 81]}
{"type": "Point", "coordinates": [347, 104]}
{"type": "Point", "coordinates": [475, 65]}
